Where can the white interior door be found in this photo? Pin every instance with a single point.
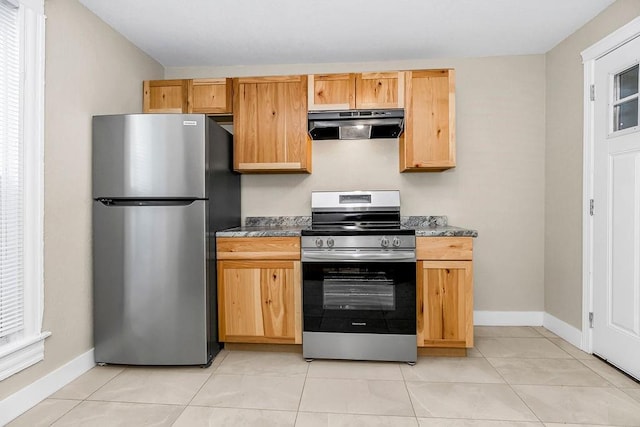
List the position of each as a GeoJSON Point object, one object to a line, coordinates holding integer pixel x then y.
{"type": "Point", "coordinates": [616, 264]}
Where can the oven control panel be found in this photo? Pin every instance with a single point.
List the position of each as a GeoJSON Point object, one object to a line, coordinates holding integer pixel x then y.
{"type": "Point", "coordinates": [338, 242]}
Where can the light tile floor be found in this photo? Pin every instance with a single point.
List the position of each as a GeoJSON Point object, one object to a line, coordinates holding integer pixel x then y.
{"type": "Point", "coordinates": [515, 376]}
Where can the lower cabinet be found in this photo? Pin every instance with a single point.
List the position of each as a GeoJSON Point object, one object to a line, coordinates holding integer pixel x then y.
{"type": "Point", "coordinates": [444, 292]}
{"type": "Point", "coordinates": [260, 291]}
{"type": "Point", "coordinates": [259, 300]}
{"type": "Point", "coordinates": [445, 303]}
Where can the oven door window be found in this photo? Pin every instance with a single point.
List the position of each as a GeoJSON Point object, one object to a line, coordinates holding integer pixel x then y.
{"type": "Point", "coordinates": [357, 289]}
{"type": "Point", "coordinates": [359, 297]}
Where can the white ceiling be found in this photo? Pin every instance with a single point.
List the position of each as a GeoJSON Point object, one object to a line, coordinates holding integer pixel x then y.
{"type": "Point", "coordinates": [249, 32]}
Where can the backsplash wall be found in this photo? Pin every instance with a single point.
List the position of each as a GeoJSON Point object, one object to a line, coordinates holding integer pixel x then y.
{"type": "Point", "coordinates": [496, 188]}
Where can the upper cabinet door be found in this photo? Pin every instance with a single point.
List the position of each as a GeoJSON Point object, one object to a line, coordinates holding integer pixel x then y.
{"type": "Point", "coordinates": [212, 96]}
{"type": "Point", "coordinates": [349, 91]}
{"type": "Point", "coordinates": [380, 90]}
{"type": "Point", "coordinates": [270, 124]}
{"type": "Point", "coordinates": [166, 96]}
{"type": "Point", "coordinates": [428, 141]}
{"type": "Point", "coordinates": [332, 91]}
{"type": "Point", "coordinates": [208, 96]}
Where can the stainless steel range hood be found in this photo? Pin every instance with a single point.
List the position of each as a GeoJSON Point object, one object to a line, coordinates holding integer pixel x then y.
{"type": "Point", "coordinates": [356, 124]}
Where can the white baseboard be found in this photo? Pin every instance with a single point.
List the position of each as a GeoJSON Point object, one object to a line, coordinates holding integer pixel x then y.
{"type": "Point", "coordinates": [508, 318]}
{"type": "Point", "coordinates": [563, 329]}
{"type": "Point", "coordinates": [36, 392]}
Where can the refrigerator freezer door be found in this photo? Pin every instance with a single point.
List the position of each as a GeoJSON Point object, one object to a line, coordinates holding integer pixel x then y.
{"type": "Point", "coordinates": [150, 295]}
{"type": "Point", "coordinates": [149, 156]}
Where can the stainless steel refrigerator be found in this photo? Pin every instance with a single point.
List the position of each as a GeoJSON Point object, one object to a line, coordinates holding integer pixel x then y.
{"type": "Point", "coordinates": [162, 185]}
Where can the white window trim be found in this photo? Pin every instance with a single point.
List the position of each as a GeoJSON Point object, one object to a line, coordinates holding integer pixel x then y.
{"type": "Point", "coordinates": [28, 350]}
{"type": "Point", "coordinates": [589, 56]}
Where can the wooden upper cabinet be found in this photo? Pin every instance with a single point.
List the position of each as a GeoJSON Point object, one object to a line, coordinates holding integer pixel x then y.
{"type": "Point", "coordinates": [351, 91]}
{"type": "Point", "coordinates": [166, 96]}
{"type": "Point", "coordinates": [270, 124]}
{"type": "Point", "coordinates": [380, 90]}
{"type": "Point", "coordinates": [208, 96]}
{"type": "Point", "coordinates": [332, 92]}
{"type": "Point", "coordinates": [212, 96]}
{"type": "Point", "coordinates": [428, 141]}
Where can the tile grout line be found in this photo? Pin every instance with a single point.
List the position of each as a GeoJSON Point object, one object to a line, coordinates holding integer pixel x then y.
{"type": "Point", "coordinates": [306, 375]}
{"type": "Point", "coordinates": [203, 384]}
{"type": "Point", "coordinates": [406, 387]}
{"type": "Point", "coordinates": [572, 356]}
{"type": "Point", "coordinates": [62, 415]}
{"type": "Point", "coordinates": [514, 391]}
{"type": "Point", "coordinates": [601, 376]}
{"type": "Point", "coordinates": [86, 399]}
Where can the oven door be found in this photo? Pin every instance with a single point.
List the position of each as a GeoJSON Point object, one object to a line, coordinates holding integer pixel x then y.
{"type": "Point", "coordinates": [361, 296]}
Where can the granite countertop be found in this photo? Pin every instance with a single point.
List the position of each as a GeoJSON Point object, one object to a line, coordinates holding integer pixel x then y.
{"type": "Point", "coordinates": [435, 226]}
{"type": "Point", "coordinates": [269, 226]}
{"type": "Point", "coordinates": [291, 226]}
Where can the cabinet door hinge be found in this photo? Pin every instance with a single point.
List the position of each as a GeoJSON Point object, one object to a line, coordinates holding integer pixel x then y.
{"type": "Point", "coordinates": [591, 207]}
{"type": "Point", "coordinates": [591, 319]}
{"type": "Point", "coordinates": [592, 92]}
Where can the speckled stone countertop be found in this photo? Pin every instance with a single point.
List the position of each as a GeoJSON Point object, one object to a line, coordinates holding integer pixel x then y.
{"type": "Point", "coordinates": [269, 226]}
{"type": "Point", "coordinates": [284, 226]}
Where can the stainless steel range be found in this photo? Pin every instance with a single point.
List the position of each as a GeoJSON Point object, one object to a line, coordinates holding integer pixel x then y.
{"type": "Point", "coordinates": [359, 279]}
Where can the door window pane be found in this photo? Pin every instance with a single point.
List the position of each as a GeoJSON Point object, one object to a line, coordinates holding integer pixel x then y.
{"type": "Point", "coordinates": [627, 82]}
{"type": "Point", "coordinates": [625, 115]}
{"type": "Point", "coordinates": [625, 99]}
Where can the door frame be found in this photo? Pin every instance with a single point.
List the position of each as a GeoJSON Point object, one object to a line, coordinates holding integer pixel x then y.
{"type": "Point", "coordinates": [596, 51]}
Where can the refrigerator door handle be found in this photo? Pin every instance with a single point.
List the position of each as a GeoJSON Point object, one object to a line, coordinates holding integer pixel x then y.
{"type": "Point", "coordinates": [142, 202]}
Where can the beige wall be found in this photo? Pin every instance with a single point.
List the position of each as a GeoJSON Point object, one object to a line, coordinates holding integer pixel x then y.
{"type": "Point", "coordinates": [90, 69]}
{"type": "Point", "coordinates": [497, 188]}
{"type": "Point", "coordinates": [563, 162]}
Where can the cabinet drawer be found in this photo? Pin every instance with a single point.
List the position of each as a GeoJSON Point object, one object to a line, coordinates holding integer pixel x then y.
{"type": "Point", "coordinates": [438, 248]}
{"type": "Point", "coordinates": [262, 248]}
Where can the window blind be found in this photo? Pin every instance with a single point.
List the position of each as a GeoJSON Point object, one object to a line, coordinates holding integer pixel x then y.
{"type": "Point", "coordinates": [11, 175]}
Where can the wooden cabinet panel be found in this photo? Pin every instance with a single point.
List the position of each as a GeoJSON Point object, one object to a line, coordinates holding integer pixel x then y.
{"type": "Point", "coordinates": [277, 296]}
{"type": "Point", "coordinates": [332, 92]}
{"type": "Point", "coordinates": [444, 292]}
{"type": "Point", "coordinates": [442, 248]}
{"type": "Point", "coordinates": [428, 141]}
{"type": "Point", "coordinates": [380, 90]}
{"type": "Point", "coordinates": [212, 96]}
{"type": "Point", "coordinates": [350, 91]}
{"type": "Point", "coordinates": [209, 96]}
{"type": "Point", "coordinates": [260, 248]}
{"type": "Point", "coordinates": [270, 124]}
{"type": "Point", "coordinates": [260, 302]}
{"type": "Point", "coordinates": [166, 96]}
{"type": "Point", "coordinates": [445, 304]}
{"type": "Point", "coordinates": [241, 312]}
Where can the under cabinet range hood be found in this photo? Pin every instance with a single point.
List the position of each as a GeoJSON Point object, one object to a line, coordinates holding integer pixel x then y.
{"type": "Point", "coordinates": [356, 124]}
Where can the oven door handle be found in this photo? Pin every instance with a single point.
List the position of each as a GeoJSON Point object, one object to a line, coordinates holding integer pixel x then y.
{"type": "Point", "coordinates": [347, 256]}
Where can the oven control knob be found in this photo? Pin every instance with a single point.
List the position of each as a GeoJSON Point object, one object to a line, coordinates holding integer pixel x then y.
{"type": "Point", "coordinates": [396, 242]}
{"type": "Point", "coordinates": [384, 242]}
{"type": "Point", "coordinates": [330, 242]}
{"type": "Point", "coordinates": [319, 243]}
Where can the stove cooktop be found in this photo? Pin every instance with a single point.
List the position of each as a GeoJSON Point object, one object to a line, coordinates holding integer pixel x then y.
{"type": "Point", "coordinates": [353, 230]}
